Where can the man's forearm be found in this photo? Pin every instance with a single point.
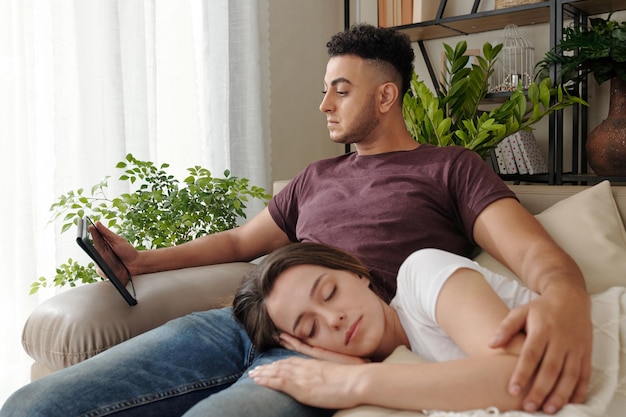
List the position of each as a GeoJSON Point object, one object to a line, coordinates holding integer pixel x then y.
{"type": "Point", "coordinates": [547, 265]}
{"type": "Point", "coordinates": [206, 250]}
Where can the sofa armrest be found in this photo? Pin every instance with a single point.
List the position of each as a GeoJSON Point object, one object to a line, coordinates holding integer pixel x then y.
{"type": "Point", "coordinates": [84, 321]}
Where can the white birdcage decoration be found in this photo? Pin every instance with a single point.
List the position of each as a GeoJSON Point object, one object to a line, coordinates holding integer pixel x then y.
{"type": "Point", "coordinates": [515, 63]}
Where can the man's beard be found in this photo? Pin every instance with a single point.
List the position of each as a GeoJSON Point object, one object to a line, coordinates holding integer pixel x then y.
{"type": "Point", "coordinates": [362, 126]}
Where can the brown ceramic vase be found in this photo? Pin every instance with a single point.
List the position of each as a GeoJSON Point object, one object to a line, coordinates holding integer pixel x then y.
{"type": "Point", "coordinates": [606, 144]}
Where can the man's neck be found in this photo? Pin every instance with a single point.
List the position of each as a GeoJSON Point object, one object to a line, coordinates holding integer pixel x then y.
{"type": "Point", "coordinates": [402, 142]}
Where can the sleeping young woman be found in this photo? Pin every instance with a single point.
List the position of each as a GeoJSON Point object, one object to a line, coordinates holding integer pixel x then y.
{"type": "Point", "coordinates": [319, 301]}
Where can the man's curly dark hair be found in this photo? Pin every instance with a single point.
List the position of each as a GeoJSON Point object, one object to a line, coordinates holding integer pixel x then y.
{"type": "Point", "coordinates": [384, 45]}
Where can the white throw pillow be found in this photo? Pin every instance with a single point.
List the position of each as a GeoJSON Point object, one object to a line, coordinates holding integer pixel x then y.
{"type": "Point", "coordinates": [589, 228]}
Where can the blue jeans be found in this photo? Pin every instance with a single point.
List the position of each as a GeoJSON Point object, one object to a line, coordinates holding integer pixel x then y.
{"type": "Point", "coordinates": [192, 366]}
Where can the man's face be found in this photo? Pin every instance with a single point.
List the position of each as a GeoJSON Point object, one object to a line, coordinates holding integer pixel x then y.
{"type": "Point", "coordinates": [349, 99]}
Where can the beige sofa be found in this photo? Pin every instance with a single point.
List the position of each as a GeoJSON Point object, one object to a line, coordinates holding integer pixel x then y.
{"type": "Point", "coordinates": [84, 321]}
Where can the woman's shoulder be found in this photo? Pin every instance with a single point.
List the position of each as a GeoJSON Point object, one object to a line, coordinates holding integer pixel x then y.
{"type": "Point", "coordinates": [424, 272]}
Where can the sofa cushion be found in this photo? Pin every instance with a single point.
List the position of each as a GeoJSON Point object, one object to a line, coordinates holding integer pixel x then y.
{"type": "Point", "coordinates": [589, 228]}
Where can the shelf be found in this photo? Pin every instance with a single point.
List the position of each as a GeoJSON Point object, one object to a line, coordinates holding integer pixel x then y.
{"type": "Point", "coordinates": [593, 178]}
{"type": "Point", "coordinates": [497, 98]}
{"type": "Point", "coordinates": [593, 7]}
{"type": "Point", "coordinates": [427, 30]}
{"type": "Point", "coordinates": [498, 19]}
{"type": "Point", "coordinates": [524, 15]}
{"type": "Point", "coordinates": [517, 178]}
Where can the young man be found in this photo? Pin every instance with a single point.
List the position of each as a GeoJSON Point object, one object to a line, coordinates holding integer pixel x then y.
{"type": "Point", "coordinates": [388, 199]}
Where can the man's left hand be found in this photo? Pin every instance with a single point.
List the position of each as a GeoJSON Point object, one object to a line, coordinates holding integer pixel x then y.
{"type": "Point", "coordinates": [556, 356]}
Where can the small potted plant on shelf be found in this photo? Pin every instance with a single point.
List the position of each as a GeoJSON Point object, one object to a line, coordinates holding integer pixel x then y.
{"type": "Point", "coordinates": [158, 212]}
{"type": "Point", "coordinates": [452, 115]}
{"type": "Point", "coordinates": [597, 49]}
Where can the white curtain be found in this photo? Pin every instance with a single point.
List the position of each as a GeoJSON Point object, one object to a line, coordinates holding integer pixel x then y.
{"type": "Point", "coordinates": [83, 83]}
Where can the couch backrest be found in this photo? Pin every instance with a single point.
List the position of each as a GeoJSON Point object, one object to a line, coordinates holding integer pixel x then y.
{"type": "Point", "coordinates": [537, 198]}
{"type": "Point", "coordinates": [278, 185]}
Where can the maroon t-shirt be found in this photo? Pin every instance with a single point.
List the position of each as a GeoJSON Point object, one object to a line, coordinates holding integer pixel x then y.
{"type": "Point", "coordinates": [384, 207]}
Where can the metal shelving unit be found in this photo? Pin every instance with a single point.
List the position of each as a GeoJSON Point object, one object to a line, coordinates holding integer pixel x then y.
{"type": "Point", "coordinates": [554, 12]}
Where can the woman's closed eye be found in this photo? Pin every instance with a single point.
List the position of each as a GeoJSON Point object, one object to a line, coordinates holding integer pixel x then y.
{"type": "Point", "coordinates": [311, 334]}
{"type": "Point", "coordinates": [331, 293]}
{"type": "Point", "coordinates": [326, 298]}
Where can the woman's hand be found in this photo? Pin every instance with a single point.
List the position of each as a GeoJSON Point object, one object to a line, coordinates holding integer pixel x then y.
{"type": "Point", "coordinates": [311, 381]}
{"type": "Point", "coordinates": [293, 343]}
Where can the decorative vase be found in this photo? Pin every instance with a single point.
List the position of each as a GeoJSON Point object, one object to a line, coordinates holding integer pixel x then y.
{"type": "Point", "coordinates": [606, 144]}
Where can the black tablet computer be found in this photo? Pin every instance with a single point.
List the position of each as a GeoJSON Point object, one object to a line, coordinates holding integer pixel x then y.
{"type": "Point", "coordinates": [98, 249]}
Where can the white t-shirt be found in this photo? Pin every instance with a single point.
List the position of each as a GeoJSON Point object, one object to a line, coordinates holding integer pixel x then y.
{"type": "Point", "coordinates": [420, 280]}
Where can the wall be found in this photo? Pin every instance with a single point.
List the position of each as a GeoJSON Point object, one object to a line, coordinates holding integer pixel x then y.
{"type": "Point", "coordinates": [298, 35]}
{"type": "Point", "coordinates": [299, 31]}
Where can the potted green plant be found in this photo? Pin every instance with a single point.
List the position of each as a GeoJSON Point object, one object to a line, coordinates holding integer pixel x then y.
{"type": "Point", "coordinates": [597, 49]}
{"type": "Point", "coordinates": [159, 212]}
{"type": "Point", "coordinates": [452, 115]}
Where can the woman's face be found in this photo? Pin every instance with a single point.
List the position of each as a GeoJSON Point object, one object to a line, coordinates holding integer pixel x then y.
{"type": "Point", "coordinates": [327, 308]}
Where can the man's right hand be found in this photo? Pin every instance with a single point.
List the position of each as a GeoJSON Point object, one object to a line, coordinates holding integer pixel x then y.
{"type": "Point", "coordinates": [124, 250]}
